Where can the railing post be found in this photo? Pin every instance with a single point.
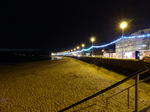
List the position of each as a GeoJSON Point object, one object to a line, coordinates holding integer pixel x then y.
{"type": "Point", "coordinates": [128, 98]}
{"type": "Point", "coordinates": [136, 93]}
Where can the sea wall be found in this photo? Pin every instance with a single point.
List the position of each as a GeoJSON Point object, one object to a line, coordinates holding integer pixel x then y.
{"type": "Point", "coordinates": [123, 66]}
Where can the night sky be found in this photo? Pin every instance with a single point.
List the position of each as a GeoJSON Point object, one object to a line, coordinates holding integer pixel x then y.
{"type": "Point", "coordinates": [58, 25]}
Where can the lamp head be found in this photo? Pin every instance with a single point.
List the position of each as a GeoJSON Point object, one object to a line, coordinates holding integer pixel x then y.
{"type": "Point", "coordinates": [123, 25]}
{"type": "Point", "coordinates": [92, 39]}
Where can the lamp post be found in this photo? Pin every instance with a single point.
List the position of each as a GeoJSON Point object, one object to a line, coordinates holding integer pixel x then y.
{"type": "Point", "coordinates": [78, 49]}
{"type": "Point", "coordinates": [123, 25]}
{"type": "Point", "coordinates": [103, 52]}
{"type": "Point", "coordinates": [92, 40]}
{"type": "Point", "coordinates": [83, 47]}
{"type": "Point", "coordinates": [74, 50]}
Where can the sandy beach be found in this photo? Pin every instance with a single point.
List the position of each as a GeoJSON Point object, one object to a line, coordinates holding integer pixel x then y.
{"type": "Point", "coordinates": [51, 85]}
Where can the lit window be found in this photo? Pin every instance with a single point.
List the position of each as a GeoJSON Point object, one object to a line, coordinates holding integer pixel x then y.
{"type": "Point", "coordinates": [144, 45]}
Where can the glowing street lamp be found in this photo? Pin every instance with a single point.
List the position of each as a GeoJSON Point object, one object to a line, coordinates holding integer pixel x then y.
{"type": "Point", "coordinates": [92, 40]}
{"type": "Point", "coordinates": [83, 45]}
{"type": "Point", "coordinates": [78, 49]}
{"type": "Point", "coordinates": [82, 48]}
{"type": "Point", "coordinates": [123, 25]}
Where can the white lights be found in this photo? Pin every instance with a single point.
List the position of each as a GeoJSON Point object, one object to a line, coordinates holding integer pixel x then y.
{"type": "Point", "coordinates": [92, 39]}
{"type": "Point", "coordinates": [123, 25]}
{"type": "Point", "coordinates": [105, 45]}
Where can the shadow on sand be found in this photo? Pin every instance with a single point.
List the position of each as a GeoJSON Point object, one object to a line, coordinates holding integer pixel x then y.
{"type": "Point", "coordinates": [147, 109]}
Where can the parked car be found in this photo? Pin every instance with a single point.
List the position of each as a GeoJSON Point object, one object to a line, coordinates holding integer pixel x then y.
{"type": "Point", "coordinates": [146, 58]}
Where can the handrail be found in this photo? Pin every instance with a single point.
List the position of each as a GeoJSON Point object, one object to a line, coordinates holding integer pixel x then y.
{"type": "Point", "coordinates": [130, 87]}
{"type": "Point", "coordinates": [106, 89]}
{"type": "Point", "coordinates": [147, 78]}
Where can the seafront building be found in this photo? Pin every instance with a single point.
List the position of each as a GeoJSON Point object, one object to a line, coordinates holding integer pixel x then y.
{"type": "Point", "coordinates": [126, 47]}
{"type": "Point", "coordinates": [134, 44]}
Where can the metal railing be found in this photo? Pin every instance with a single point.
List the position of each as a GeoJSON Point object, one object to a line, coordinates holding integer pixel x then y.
{"type": "Point", "coordinates": [128, 94]}
{"type": "Point", "coordinates": [136, 74]}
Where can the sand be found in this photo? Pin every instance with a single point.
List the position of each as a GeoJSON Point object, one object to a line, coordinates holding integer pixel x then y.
{"type": "Point", "coordinates": [49, 86]}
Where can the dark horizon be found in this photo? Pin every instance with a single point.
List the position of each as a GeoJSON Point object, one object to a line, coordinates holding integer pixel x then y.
{"type": "Point", "coordinates": [23, 55]}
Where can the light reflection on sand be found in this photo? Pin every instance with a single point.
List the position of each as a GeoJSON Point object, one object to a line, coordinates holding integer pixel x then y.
{"type": "Point", "coordinates": [56, 58]}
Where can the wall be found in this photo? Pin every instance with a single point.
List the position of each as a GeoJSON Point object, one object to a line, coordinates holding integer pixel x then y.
{"type": "Point", "coordinates": [125, 67]}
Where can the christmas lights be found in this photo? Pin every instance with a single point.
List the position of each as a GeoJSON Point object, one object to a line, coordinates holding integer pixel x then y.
{"type": "Point", "coordinates": [105, 45]}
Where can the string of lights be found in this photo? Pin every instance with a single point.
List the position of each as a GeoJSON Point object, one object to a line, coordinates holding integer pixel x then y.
{"type": "Point", "coordinates": [105, 45]}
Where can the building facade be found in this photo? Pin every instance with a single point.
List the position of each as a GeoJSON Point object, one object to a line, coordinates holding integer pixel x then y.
{"type": "Point", "coordinates": [136, 42]}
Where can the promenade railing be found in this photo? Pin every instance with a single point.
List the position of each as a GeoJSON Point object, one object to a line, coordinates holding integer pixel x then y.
{"type": "Point", "coordinates": [128, 92]}
{"type": "Point", "coordinates": [136, 74]}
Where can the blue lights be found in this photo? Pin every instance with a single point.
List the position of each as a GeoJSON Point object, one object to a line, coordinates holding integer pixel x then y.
{"type": "Point", "coordinates": [125, 37]}
{"type": "Point", "coordinates": [101, 46]}
{"type": "Point", "coordinates": [105, 45]}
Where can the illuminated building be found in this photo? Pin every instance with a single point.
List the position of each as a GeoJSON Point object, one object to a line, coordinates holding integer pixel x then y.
{"type": "Point", "coordinates": [136, 42]}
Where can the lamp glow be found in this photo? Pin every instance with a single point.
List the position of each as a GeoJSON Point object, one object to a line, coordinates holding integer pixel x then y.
{"type": "Point", "coordinates": [123, 25]}
{"type": "Point", "coordinates": [83, 45]}
{"type": "Point", "coordinates": [92, 39]}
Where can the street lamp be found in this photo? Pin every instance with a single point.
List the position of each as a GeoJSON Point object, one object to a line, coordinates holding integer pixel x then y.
{"type": "Point", "coordinates": [82, 48]}
{"type": "Point", "coordinates": [92, 40]}
{"type": "Point", "coordinates": [78, 49]}
{"type": "Point", "coordinates": [83, 45]}
{"type": "Point", "coordinates": [123, 25]}
{"type": "Point", "coordinates": [103, 51]}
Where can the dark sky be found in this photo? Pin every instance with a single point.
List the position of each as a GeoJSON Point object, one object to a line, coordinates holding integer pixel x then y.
{"type": "Point", "coordinates": [59, 25]}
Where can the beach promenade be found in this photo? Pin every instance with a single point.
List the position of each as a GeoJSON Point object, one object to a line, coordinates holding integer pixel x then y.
{"type": "Point", "coordinates": [51, 85]}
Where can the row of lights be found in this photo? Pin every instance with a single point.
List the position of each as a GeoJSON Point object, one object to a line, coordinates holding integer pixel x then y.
{"type": "Point", "coordinates": [83, 45]}
{"type": "Point", "coordinates": [102, 46]}
{"type": "Point", "coordinates": [123, 25]}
